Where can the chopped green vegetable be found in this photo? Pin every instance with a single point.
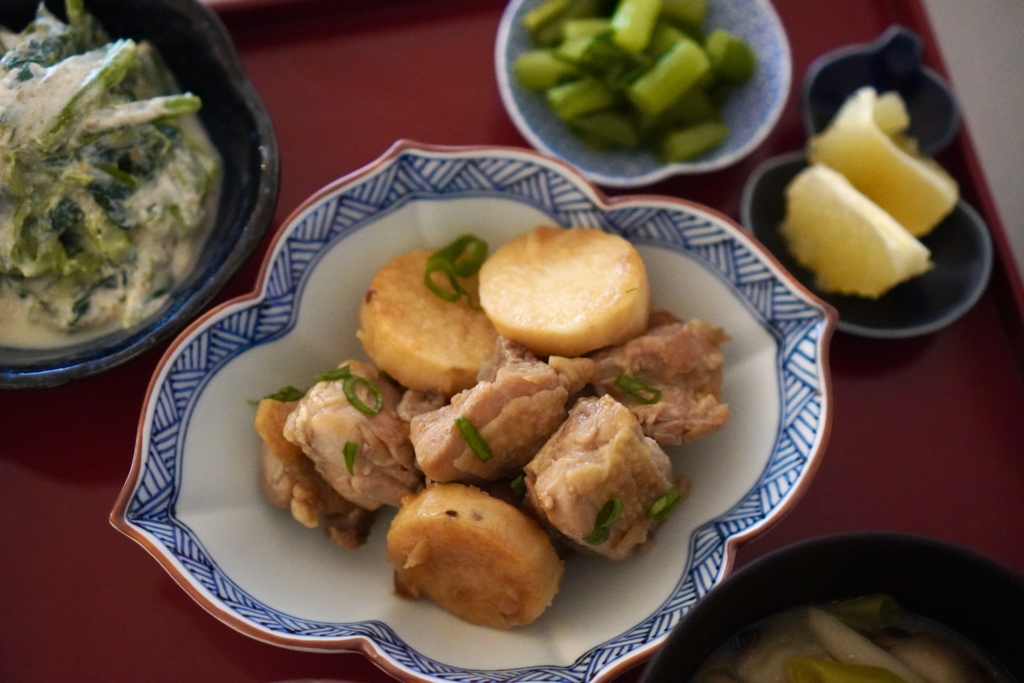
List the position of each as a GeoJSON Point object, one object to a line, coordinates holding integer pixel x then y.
{"type": "Point", "coordinates": [106, 171]}
{"type": "Point", "coordinates": [518, 486]}
{"type": "Point", "coordinates": [664, 505]}
{"type": "Point", "coordinates": [606, 517]}
{"type": "Point", "coordinates": [331, 375]}
{"type": "Point", "coordinates": [287, 394]}
{"type": "Point", "coordinates": [730, 56]}
{"type": "Point", "coordinates": [473, 439]}
{"type": "Point", "coordinates": [350, 451]}
{"type": "Point", "coordinates": [461, 258]}
{"type": "Point", "coordinates": [352, 383]}
{"type": "Point", "coordinates": [693, 141]}
{"type": "Point", "coordinates": [638, 390]}
{"type": "Point", "coordinates": [870, 612]}
{"type": "Point", "coordinates": [642, 75]}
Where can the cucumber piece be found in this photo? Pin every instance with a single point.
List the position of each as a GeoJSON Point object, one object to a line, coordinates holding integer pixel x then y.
{"type": "Point", "coordinates": [612, 129]}
{"type": "Point", "coordinates": [680, 68]}
{"type": "Point", "coordinates": [732, 60]}
{"type": "Point", "coordinates": [573, 29]}
{"type": "Point", "coordinates": [690, 12]}
{"type": "Point", "coordinates": [688, 143]}
{"type": "Point", "coordinates": [633, 23]}
{"type": "Point", "coordinates": [579, 97]}
{"type": "Point", "coordinates": [540, 70]}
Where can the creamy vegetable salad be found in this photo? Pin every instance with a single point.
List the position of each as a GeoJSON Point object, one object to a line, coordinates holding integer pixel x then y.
{"type": "Point", "coordinates": [108, 180]}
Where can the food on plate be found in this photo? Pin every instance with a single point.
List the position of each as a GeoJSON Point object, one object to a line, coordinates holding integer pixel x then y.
{"type": "Point", "coordinates": [598, 479]}
{"type": "Point", "coordinates": [851, 244]}
{"type": "Point", "coordinates": [474, 555]}
{"type": "Point", "coordinates": [347, 425]}
{"type": "Point", "coordinates": [866, 143]}
{"type": "Point", "coordinates": [634, 73]}
{"type": "Point", "coordinates": [670, 379]}
{"type": "Point", "coordinates": [289, 480]}
{"type": "Point", "coordinates": [422, 340]}
{"type": "Point", "coordinates": [109, 181]}
{"type": "Point", "coordinates": [566, 292]}
{"type": "Point", "coordinates": [516, 404]}
{"type": "Point", "coordinates": [867, 638]}
{"type": "Point", "coordinates": [541, 447]}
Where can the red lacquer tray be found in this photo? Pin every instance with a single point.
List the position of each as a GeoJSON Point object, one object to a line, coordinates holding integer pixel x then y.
{"type": "Point", "coordinates": [927, 436]}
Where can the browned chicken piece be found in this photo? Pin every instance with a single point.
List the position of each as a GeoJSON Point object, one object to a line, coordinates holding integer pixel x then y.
{"type": "Point", "coordinates": [599, 454]}
{"type": "Point", "coordinates": [415, 403]}
{"type": "Point", "coordinates": [681, 360]}
{"type": "Point", "coordinates": [517, 403]}
{"type": "Point", "coordinates": [323, 422]}
{"type": "Point", "coordinates": [289, 481]}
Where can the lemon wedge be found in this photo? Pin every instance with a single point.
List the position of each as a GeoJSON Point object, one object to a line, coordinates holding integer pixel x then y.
{"type": "Point", "coordinates": [852, 245]}
{"type": "Point", "coordinates": [865, 143]}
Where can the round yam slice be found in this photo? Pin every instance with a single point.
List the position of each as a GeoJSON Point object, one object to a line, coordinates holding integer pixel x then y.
{"type": "Point", "coordinates": [421, 340]}
{"type": "Point", "coordinates": [476, 556]}
{"type": "Point", "coordinates": [566, 292]}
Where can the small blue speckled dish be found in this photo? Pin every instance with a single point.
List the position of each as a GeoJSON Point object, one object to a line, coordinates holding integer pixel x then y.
{"type": "Point", "coordinates": [961, 246]}
{"type": "Point", "coordinates": [751, 112]}
{"type": "Point", "coordinates": [198, 50]}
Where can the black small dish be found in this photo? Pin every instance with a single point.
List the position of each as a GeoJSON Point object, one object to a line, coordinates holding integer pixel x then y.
{"type": "Point", "coordinates": [891, 62]}
{"type": "Point", "coordinates": [199, 51]}
{"type": "Point", "coordinates": [954, 587]}
{"type": "Point", "coordinates": [961, 251]}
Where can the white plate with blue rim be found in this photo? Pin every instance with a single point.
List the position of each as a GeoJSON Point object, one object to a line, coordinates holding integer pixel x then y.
{"type": "Point", "coordinates": [192, 498]}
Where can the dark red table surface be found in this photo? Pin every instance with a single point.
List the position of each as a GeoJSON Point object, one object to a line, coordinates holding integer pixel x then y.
{"type": "Point", "coordinates": [928, 433]}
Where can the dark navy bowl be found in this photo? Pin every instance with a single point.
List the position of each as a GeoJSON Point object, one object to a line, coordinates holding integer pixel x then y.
{"type": "Point", "coordinates": [199, 51]}
{"type": "Point", "coordinates": [961, 251]}
{"type": "Point", "coordinates": [961, 246]}
{"type": "Point", "coordinates": [891, 62]}
{"type": "Point", "coordinates": [952, 586]}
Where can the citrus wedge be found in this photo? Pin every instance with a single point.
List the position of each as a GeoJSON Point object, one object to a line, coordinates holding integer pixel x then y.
{"type": "Point", "coordinates": [851, 244]}
{"type": "Point", "coordinates": [913, 189]}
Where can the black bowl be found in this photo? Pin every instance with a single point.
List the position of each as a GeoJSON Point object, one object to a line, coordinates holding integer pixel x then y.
{"type": "Point", "coordinates": [961, 251]}
{"type": "Point", "coordinates": [199, 51]}
{"type": "Point", "coordinates": [954, 587]}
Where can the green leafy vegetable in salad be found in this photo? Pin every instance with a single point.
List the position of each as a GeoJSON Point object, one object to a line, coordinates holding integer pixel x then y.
{"type": "Point", "coordinates": [106, 176]}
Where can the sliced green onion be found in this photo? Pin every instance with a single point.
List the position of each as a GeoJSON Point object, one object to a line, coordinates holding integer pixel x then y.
{"type": "Point", "coordinates": [663, 507]}
{"type": "Point", "coordinates": [349, 387]}
{"type": "Point", "coordinates": [340, 373]}
{"type": "Point", "coordinates": [473, 439]}
{"type": "Point", "coordinates": [351, 451]}
{"type": "Point", "coordinates": [638, 390]}
{"type": "Point", "coordinates": [440, 265]}
{"type": "Point", "coordinates": [287, 394]}
{"type": "Point", "coordinates": [606, 517]}
{"type": "Point", "coordinates": [518, 486]}
{"type": "Point", "coordinates": [464, 265]}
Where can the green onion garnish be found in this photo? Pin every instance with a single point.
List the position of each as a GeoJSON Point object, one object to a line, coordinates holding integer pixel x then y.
{"type": "Point", "coordinates": [351, 451]}
{"type": "Point", "coordinates": [518, 486]}
{"type": "Point", "coordinates": [606, 517]}
{"type": "Point", "coordinates": [638, 390]}
{"type": "Point", "coordinates": [349, 387]}
{"type": "Point", "coordinates": [287, 394]}
{"type": "Point", "coordinates": [340, 373]}
{"type": "Point", "coordinates": [461, 258]}
{"type": "Point", "coordinates": [473, 439]}
{"type": "Point", "coordinates": [663, 507]}
{"type": "Point", "coordinates": [438, 265]}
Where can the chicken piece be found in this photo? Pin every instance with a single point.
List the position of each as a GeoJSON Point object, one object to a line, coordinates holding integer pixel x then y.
{"type": "Point", "coordinates": [474, 555]}
{"type": "Point", "coordinates": [681, 360]}
{"type": "Point", "coordinates": [599, 454]}
{"type": "Point", "coordinates": [324, 421]}
{"type": "Point", "coordinates": [515, 406]}
{"type": "Point", "coordinates": [288, 480]}
{"type": "Point", "coordinates": [416, 402]}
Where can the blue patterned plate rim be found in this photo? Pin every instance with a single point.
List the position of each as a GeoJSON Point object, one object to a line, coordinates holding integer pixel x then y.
{"type": "Point", "coordinates": [801, 325]}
